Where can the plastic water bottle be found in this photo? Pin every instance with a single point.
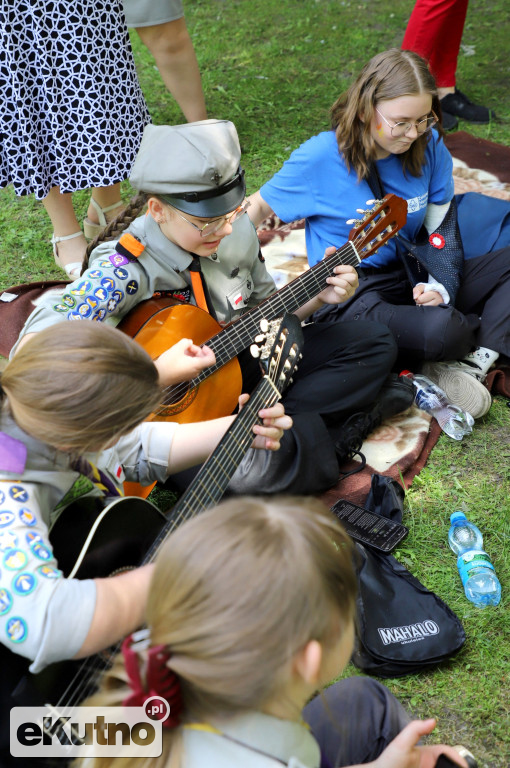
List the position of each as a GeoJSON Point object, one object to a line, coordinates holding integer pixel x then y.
{"type": "Point", "coordinates": [479, 579]}
{"type": "Point", "coordinates": [431, 398]}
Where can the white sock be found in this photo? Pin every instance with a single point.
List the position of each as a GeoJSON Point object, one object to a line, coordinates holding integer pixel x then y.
{"type": "Point", "coordinates": [482, 357]}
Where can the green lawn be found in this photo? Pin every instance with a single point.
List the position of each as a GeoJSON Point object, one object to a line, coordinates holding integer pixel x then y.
{"type": "Point", "coordinates": [274, 68]}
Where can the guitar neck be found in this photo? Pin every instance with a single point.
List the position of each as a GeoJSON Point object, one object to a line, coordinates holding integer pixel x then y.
{"type": "Point", "coordinates": [239, 334]}
{"type": "Point", "coordinates": [212, 480]}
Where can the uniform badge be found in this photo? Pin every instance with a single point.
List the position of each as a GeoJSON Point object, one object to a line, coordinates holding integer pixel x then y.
{"type": "Point", "coordinates": [41, 552]}
{"type": "Point", "coordinates": [108, 284]}
{"type": "Point", "coordinates": [5, 601]}
{"type": "Point", "coordinates": [99, 315]}
{"type": "Point", "coordinates": [84, 310]}
{"type": "Point", "coordinates": [24, 583]}
{"type": "Point", "coordinates": [32, 538]}
{"type": "Point", "coordinates": [61, 308]}
{"type": "Point", "coordinates": [8, 540]}
{"type": "Point", "coordinates": [132, 287]}
{"type": "Point", "coordinates": [68, 301]}
{"type": "Point", "coordinates": [16, 629]}
{"type": "Point", "coordinates": [122, 274]}
{"type": "Point", "coordinates": [27, 516]}
{"type": "Point", "coordinates": [437, 240]}
{"type": "Point", "coordinates": [18, 493]}
{"type": "Point", "coordinates": [101, 294]}
{"type": "Point", "coordinates": [49, 572]}
{"type": "Point", "coordinates": [83, 287]}
{"type": "Point", "coordinates": [75, 316]}
{"type": "Point", "coordinates": [6, 518]}
{"type": "Point", "coordinates": [104, 264]}
{"type": "Point", "coordinates": [118, 259]}
{"type": "Point", "coordinates": [15, 559]}
{"type": "Point", "coordinates": [94, 273]}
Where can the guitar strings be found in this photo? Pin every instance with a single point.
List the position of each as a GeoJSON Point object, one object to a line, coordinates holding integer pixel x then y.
{"type": "Point", "coordinates": [191, 504]}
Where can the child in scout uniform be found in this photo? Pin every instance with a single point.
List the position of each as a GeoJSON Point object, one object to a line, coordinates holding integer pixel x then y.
{"type": "Point", "coordinates": [195, 221]}
{"type": "Point", "coordinates": [71, 405]}
{"type": "Point", "coordinates": [236, 651]}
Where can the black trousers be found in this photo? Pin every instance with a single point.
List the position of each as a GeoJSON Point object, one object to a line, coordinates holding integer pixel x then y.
{"type": "Point", "coordinates": [343, 368]}
{"type": "Point", "coordinates": [480, 317]}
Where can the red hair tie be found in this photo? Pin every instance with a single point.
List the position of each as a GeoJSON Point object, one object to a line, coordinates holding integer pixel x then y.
{"type": "Point", "coordinates": [160, 680]}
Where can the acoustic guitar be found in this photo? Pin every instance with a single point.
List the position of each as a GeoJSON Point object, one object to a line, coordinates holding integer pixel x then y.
{"type": "Point", "coordinates": [158, 323]}
{"type": "Point", "coordinates": [130, 531]}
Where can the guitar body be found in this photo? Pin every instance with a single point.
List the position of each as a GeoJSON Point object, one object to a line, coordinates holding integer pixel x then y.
{"type": "Point", "coordinates": [158, 323]}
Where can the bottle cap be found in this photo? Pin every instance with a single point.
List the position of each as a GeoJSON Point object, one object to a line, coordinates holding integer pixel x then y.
{"type": "Point", "coordinates": [407, 373]}
{"type": "Point", "coordinates": [458, 515]}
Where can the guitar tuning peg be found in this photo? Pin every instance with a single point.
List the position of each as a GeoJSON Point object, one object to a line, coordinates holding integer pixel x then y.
{"type": "Point", "coordinates": [371, 202]}
{"type": "Point", "coordinates": [264, 325]}
{"type": "Point", "coordinates": [350, 221]}
{"type": "Point", "coordinates": [360, 210]}
{"type": "Point", "coordinates": [255, 351]}
{"type": "Point", "coordinates": [260, 338]}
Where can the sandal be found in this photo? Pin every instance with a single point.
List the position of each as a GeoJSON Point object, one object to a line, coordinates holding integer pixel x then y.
{"type": "Point", "coordinates": [73, 270]}
{"type": "Point", "coordinates": [90, 228]}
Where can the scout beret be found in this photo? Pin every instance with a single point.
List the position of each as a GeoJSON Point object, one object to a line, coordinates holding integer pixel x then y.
{"type": "Point", "coordinates": [194, 167]}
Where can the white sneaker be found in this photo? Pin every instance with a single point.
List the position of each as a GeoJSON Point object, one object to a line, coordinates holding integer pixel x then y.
{"type": "Point", "coordinates": [462, 384]}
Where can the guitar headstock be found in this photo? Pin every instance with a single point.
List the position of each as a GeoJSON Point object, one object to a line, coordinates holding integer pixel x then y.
{"type": "Point", "coordinates": [378, 224]}
{"type": "Point", "coordinates": [280, 351]}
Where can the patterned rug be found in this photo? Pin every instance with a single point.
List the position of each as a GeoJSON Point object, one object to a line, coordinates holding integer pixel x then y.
{"type": "Point", "coordinates": [401, 446]}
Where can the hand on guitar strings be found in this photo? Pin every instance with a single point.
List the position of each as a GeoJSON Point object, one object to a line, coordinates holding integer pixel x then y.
{"type": "Point", "coordinates": [182, 362]}
{"type": "Point", "coordinates": [341, 285]}
{"type": "Point", "coordinates": [274, 423]}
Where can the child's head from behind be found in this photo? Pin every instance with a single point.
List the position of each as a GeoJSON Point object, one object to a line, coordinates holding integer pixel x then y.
{"type": "Point", "coordinates": [240, 591]}
{"type": "Point", "coordinates": [192, 175]}
{"type": "Point", "coordinates": [389, 76]}
{"type": "Point", "coordinates": [78, 386]}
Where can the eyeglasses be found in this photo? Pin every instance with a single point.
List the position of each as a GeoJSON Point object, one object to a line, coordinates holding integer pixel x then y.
{"type": "Point", "coordinates": [401, 129]}
{"type": "Point", "coordinates": [216, 224]}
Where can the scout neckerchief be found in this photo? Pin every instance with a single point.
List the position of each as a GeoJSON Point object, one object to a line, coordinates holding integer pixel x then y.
{"type": "Point", "coordinates": [200, 289]}
{"type": "Point", "coordinates": [96, 476]}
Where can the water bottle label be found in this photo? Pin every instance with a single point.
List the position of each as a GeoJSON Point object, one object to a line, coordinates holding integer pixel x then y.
{"type": "Point", "coordinates": [472, 562]}
{"type": "Point", "coordinates": [423, 400]}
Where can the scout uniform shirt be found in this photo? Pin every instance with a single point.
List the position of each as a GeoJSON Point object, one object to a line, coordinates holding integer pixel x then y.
{"type": "Point", "coordinates": [117, 280]}
{"type": "Point", "coordinates": [250, 740]}
{"type": "Point", "coordinates": [44, 616]}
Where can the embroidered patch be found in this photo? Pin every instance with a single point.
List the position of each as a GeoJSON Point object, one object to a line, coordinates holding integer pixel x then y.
{"type": "Point", "coordinates": [101, 294]}
{"type": "Point", "coordinates": [18, 493]}
{"type": "Point", "coordinates": [84, 310]}
{"type": "Point", "coordinates": [24, 583]}
{"type": "Point", "coordinates": [41, 552]}
{"type": "Point", "coordinates": [75, 316]}
{"type": "Point", "coordinates": [5, 601]}
{"type": "Point", "coordinates": [32, 538]}
{"type": "Point", "coordinates": [8, 540]}
{"type": "Point", "coordinates": [83, 287]}
{"type": "Point", "coordinates": [6, 518]}
{"type": "Point", "coordinates": [68, 301]}
{"type": "Point", "coordinates": [118, 259]}
{"type": "Point", "coordinates": [132, 287]}
{"type": "Point", "coordinates": [92, 302]}
{"type": "Point", "coordinates": [108, 284]}
{"type": "Point", "coordinates": [94, 273]}
{"type": "Point", "coordinates": [118, 296]}
{"type": "Point", "coordinates": [99, 315]}
{"type": "Point", "coordinates": [104, 264]}
{"type": "Point", "coordinates": [61, 308]}
{"type": "Point", "coordinates": [15, 559]}
{"type": "Point", "coordinates": [122, 274]}
{"type": "Point", "coordinates": [27, 517]}
{"type": "Point", "coordinates": [437, 240]}
{"type": "Point", "coordinates": [16, 629]}
{"type": "Point", "coordinates": [49, 572]}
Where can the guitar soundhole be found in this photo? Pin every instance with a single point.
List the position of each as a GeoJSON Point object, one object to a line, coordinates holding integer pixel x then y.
{"type": "Point", "coordinates": [176, 400]}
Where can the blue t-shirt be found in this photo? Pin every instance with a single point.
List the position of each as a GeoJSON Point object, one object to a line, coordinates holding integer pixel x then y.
{"type": "Point", "coordinates": [314, 184]}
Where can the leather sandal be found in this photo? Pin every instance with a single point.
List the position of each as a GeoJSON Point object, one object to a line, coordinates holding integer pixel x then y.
{"type": "Point", "coordinates": [73, 269]}
{"type": "Point", "coordinates": [90, 228]}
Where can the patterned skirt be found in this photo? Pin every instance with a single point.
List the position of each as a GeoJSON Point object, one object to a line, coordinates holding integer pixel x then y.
{"type": "Point", "coordinates": [72, 112]}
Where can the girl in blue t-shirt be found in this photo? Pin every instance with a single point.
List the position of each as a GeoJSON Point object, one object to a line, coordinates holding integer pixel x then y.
{"type": "Point", "coordinates": [386, 137]}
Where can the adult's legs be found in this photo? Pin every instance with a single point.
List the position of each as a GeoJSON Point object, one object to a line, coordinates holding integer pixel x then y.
{"type": "Point", "coordinates": [434, 31]}
{"type": "Point", "coordinates": [176, 60]}
{"type": "Point", "coordinates": [354, 720]}
{"type": "Point", "coordinates": [59, 208]}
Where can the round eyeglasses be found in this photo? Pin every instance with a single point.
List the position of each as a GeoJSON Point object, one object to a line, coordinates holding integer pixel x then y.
{"type": "Point", "coordinates": [401, 129]}
{"type": "Point", "coordinates": [215, 225]}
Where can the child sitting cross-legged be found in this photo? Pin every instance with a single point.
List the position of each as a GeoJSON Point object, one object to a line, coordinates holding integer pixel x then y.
{"type": "Point", "coordinates": [250, 612]}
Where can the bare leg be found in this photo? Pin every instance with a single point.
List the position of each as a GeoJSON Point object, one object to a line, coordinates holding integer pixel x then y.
{"type": "Point", "coordinates": [175, 57]}
{"type": "Point", "coordinates": [59, 208]}
{"type": "Point", "coordinates": [105, 197]}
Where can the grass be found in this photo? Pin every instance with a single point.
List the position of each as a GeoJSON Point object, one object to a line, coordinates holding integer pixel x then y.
{"type": "Point", "coordinates": [274, 68]}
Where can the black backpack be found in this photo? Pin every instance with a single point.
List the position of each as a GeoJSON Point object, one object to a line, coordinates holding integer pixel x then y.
{"type": "Point", "coordinates": [402, 627]}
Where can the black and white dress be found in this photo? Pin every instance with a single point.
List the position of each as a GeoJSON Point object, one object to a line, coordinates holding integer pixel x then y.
{"type": "Point", "coordinates": [71, 109]}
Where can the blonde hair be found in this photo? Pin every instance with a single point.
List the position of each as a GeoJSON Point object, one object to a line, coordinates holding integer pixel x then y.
{"type": "Point", "coordinates": [388, 75]}
{"type": "Point", "coordinates": [236, 593]}
{"type": "Point", "coordinates": [78, 386]}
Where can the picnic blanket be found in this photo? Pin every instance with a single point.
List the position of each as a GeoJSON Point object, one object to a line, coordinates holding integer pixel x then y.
{"type": "Point", "coordinates": [401, 446]}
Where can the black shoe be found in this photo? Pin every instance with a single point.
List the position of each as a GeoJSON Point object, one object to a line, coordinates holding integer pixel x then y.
{"type": "Point", "coordinates": [459, 105]}
{"type": "Point", "coordinates": [396, 395]}
{"type": "Point", "coordinates": [449, 122]}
